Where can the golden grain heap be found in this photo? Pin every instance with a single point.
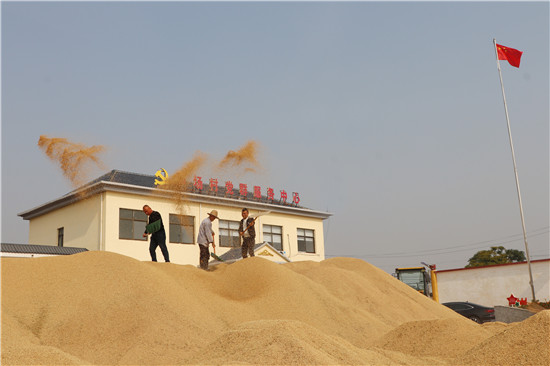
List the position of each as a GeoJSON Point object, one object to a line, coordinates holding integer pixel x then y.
{"type": "Point", "coordinates": [102, 308]}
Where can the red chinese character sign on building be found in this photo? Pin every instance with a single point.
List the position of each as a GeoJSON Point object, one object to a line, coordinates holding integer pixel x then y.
{"type": "Point", "coordinates": [197, 183]}
{"type": "Point", "coordinates": [228, 188]}
{"type": "Point", "coordinates": [283, 196]}
{"type": "Point", "coordinates": [243, 190]}
{"type": "Point", "coordinates": [212, 189]}
{"type": "Point", "coordinates": [270, 194]}
{"type": "Point", "coordinates": [213, 186]}
{"type": "Point", "coordinates": [257, 193]}
{"type": "Point", "coordinates": [295, 198]}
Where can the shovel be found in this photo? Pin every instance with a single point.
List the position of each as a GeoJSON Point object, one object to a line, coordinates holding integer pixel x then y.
{"type": "Point", "coordinates": [253, 221]}
{"type": "Point", "coordinates": [215, 256]}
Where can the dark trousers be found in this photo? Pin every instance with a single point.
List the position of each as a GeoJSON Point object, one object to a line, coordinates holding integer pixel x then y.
{"type": "Point", "coordinates": [204, 256]}
{"type": "Point", "coordinates": [158, 239]}
{"type": "Point", "coordinates": [248, 247]}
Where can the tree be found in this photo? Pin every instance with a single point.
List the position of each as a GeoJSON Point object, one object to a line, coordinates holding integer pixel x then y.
{"type": "Point", "coordinates": [497, 255]}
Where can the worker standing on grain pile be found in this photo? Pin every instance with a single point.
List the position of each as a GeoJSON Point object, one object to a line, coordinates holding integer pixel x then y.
{"type": "Point", "coordinates": [206, 236]}
{"type": "Point", "coordinates": [155, 227]}
{"type": "Point", "coordinates": [248, 233]}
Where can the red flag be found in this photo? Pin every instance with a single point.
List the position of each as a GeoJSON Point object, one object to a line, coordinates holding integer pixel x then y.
{"type": "Point", "coordinates": [512, 55]}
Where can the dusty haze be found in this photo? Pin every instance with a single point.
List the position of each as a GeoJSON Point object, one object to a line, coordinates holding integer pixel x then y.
{"type": "Point", "coordinates": [74, 159]}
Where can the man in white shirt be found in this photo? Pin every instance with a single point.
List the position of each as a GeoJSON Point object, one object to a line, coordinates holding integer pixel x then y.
{"type": "Point", "coordinates": [206, 236]}
{"type": "Point", "coordinates": [248, 233]}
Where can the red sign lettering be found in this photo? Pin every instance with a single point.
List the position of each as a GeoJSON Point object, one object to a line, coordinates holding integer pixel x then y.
{"type": "Point", "coordinates": [243, 191]}
{"type": "Point", "coordinates": [197, 183]}
{"type": "Point", "coordinates": [257, 192]}
{"type": "Point", "coordinates": [295, 198]}
{"type": "Point", "coordinates": [229, 188]}
{"type": "Point", "coordinates": [198, 187]}
{"type": "Point", "coordinates": [283, 196]}
{"type": "Point", "coordinates": [270, 194]}
{"type": "Point", "coordinates": [213, 185]}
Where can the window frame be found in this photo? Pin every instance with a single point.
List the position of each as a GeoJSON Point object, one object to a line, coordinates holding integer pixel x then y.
{"type": "Point", "coordinates": [171, 224]}
{"type": "Point", "coordinates": [264, 232]}
{"type": "Point", "coordinates": [135, 236]}
{"type": "Point", "coordinates": [235, 240]}
{"type": "Point", "coordinates": [304, 240]}
{"type": "Point", "coordinates": [60, 236]}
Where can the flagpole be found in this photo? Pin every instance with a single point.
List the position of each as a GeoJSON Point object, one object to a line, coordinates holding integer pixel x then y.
{"type": "Point", "coordinates": [516, 174]}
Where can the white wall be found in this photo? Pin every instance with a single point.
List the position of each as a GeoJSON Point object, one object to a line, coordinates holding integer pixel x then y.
{"type": "Point", "coordinates": [189, 253]}
{"type": "Point", "coordinates": [79, 220]}
{"type": "Point", "coordinates": [179, 253]}
{"type": "Point", "coordinates": [491, 286]}
{"type": "Point", "coordinates": [290, 225]}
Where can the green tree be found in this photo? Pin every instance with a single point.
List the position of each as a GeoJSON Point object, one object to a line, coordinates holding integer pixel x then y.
{"type": "Point", "coordinates": [496, 255]}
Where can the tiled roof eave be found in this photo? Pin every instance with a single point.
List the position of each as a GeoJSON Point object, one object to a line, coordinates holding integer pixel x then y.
{"type": "Point", "coordinates": [39, 249]}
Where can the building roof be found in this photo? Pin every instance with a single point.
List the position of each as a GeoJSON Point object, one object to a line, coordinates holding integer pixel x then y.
{"type": "Point", "coordinates": [118, 176]}
{"type": "Point", "coordinates": [39, 249]}
{"type": "Point", "coordinates": [492, 265]}
{"type": "Point", "coordinates": [134, 183]}
{"type": "Point", "coordinates": [236, 253]}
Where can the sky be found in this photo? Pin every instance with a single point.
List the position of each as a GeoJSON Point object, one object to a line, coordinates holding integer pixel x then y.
{"type": "Point", "coordinates": [388, 115]}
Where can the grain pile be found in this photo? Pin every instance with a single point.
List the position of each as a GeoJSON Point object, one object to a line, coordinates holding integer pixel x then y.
{"type": "Point", "coordinates": [446, 338]}
{"type": "Point", "coordinates": [101, 308]}
{"type": "Point", "coordinates": [524, 343]}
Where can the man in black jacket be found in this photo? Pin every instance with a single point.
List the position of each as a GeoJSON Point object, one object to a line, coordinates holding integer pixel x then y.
{"type": "Point", "coordinates": [246, 229]}
{"type": "Point", "coordinates": [158, 238]}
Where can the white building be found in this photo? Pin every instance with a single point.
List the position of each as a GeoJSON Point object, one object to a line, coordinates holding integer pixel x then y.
{"type": "Point", "coordinates": [492, 285]}
{"type": "Point", "coordinates": [106, 214]}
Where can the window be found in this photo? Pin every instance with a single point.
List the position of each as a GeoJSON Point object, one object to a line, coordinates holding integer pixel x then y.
{"type": "Point", "coordinates": [274, 236]}
{"type": "Point", "coordinates": [182, 229]}
{"type": "Point", "coordinates": [131, 224]}
{"type": "Point", "coordinates": [306, 241]}
{"type": "Point", "coordinates": [229, 234]}
{"type": "Point", "coordinates": [415, 279]}
{"type": "Point", "coordinates": [60, 235]}
{"type": "Point", "coordinates": [458, 307]}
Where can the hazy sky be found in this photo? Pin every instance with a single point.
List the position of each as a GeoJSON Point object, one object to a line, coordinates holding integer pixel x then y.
{"type": "Point", "coordinates": [388, 115]}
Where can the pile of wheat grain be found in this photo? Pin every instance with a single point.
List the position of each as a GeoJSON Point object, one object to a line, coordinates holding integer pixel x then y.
{"type": "Point", "coordinates": [101, 308]}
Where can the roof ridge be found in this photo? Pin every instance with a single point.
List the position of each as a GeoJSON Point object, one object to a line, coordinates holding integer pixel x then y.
{"type": "Point", "coordinates": [118, 171]}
